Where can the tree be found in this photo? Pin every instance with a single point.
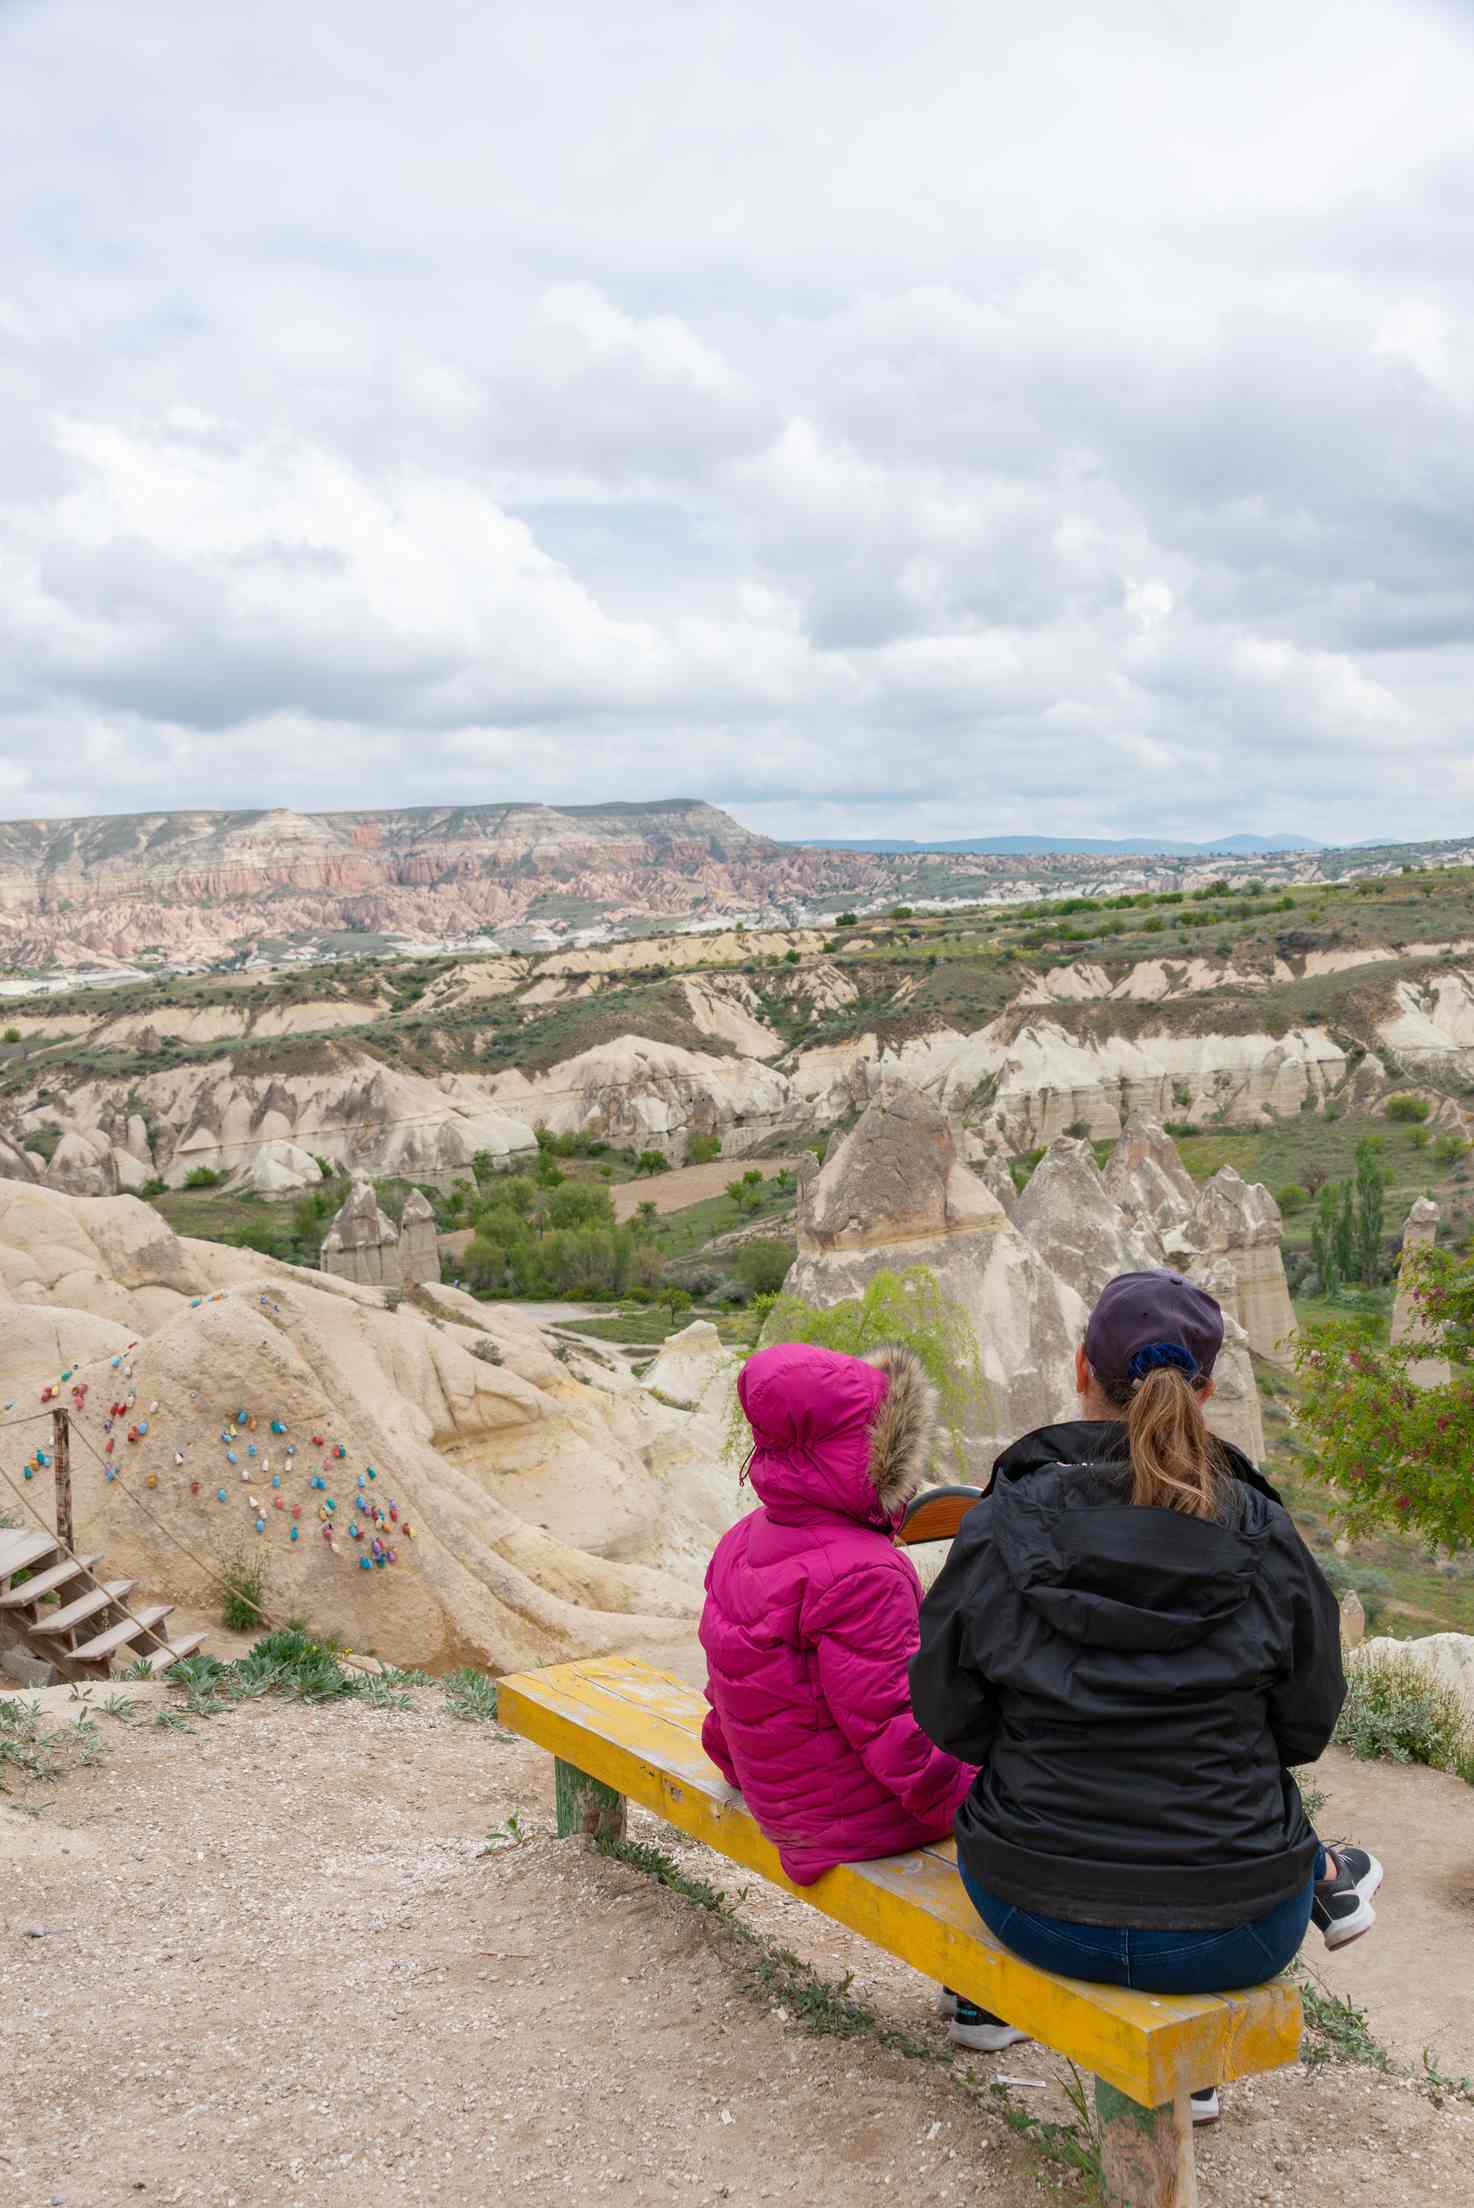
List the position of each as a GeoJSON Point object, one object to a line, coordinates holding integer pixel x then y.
{"type": "Point", "coordinates": [762, 1264]}
{"type": "Point", "coordinates": [747, 1193]}
{"type": "Point", "coordinates": [703, 1149]}
{"type": "Point", "coordinates": [907, 1308]}
{"type": "Point", "coordinates": [1398, 1454]}
{"type": "Point", "coordinates": [1371, 1184]}
{"type": "Point", "coordinates": [847, 920]}
{"type": "Point", "coordinates": [646, 1216]}
{"type": "Point", "coordinates": [674, 1300]}
{"type": "Point", "coordinates": [1324, 1240]}
{"type": "Point", "coordinates": [652, 1161]}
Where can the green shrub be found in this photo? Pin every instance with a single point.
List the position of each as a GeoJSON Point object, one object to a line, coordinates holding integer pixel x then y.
{"type": "Point", "coordinates": [1396, 1712]}
{"type": "Point", "coordinates": [12, 1034]}
{"type": "Point", "coordinates": [762, 1264]}
{"type": "Point", "coordinates": [703, 1149]}
{"type": "Point", "coordinates": [847, 920]}
{"type": "Point", "coordinates": [1292, 1198]}
{"type": "Point", "coordinates": [1405, 1106]}
{"type": "Point", "coordinates": [203, 1176]}
{"type": "Point", "coordinates": [243, 1607]}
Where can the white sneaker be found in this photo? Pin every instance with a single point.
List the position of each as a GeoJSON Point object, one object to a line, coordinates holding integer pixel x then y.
{"type": "Point", "coordinates": [980, 2030]}
{"type": "Point", "coordinates": [1205, 2105]}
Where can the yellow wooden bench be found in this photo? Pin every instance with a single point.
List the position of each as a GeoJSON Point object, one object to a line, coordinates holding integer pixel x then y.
{"type": "Point", "coordinates": [621, 1731]}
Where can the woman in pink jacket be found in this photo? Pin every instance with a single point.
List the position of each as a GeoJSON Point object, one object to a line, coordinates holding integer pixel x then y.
{"type": "Point", "coordinates": [811, 1620]}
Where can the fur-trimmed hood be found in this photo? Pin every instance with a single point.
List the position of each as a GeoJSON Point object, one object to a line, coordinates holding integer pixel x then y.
{"type": "Point", "coordinates": [837, 1434]}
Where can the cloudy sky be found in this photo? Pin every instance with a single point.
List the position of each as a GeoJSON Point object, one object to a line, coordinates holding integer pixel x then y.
{"type": "Point", "coordinates": [959, 418]}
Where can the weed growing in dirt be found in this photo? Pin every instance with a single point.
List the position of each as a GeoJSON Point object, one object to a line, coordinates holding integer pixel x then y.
{"type": "Point", "coordinates": [31, 1752]}
{"type": "Point", "coordinates": [775, 1977]}
{"type": "Point", "coordinates": [243, 1606]}
{"type": "Point", "coordinates": [1439, 2085]}
{"type": "Point", "coordinates": [471, 1695]}
{"type": "Point", "coordinates": [1395, 1713]}
{"type": "Point", "coordinates": [123, 1707]}
{"type": "Point", "coordinates": [1336, 2030]}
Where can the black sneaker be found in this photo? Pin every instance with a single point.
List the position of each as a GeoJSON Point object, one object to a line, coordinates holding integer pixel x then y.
{"type": "Point", "coordinates": [1342, 1909]}
{"type": "Point", "coordinates": [1205, 2105]}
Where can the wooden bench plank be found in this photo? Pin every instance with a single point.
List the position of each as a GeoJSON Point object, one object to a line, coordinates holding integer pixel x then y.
{"type": "Point", "coordinates": [637, 1731]}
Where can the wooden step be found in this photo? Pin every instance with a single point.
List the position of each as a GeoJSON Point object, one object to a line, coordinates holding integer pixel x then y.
{"type": "Point", "coordinates": [87, 1606]}
{"type": "Point", "coordinates": [46, 1583]}
{"type": "Point", "coordinates": [19, 1549]}
{"type": "Point", "coordinates": [171, 1652]}
{"type": "Point", "coordinates": [118, 1636]}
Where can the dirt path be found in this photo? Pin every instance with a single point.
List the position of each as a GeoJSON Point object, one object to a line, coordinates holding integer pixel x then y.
{"type": "Point", "coordinates": [690, 1184]}
{"type": "Point", "coordinates": [1414, 1974]}
{"type": "Point", "coordinates": [275, 1967]}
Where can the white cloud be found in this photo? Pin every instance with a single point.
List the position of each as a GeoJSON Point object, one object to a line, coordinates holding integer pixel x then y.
{"type": "Point", "coordinates": [933, 417]}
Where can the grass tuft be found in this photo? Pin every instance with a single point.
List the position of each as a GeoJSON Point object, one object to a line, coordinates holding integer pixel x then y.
{"type": "Point", "coordinates": [1396, 1712]}
{"type": "Point", "coordinates": [471, 1695]}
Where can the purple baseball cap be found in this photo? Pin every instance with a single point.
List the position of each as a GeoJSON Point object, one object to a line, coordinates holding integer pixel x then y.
{"type": "Point", "coordinates": [1139, 1313]}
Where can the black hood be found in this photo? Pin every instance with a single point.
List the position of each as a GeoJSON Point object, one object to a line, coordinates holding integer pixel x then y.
{"type": "Point", "coordinates": [1099, 1569]}
{"type": "Point", "coordinates": [1098, 1441]}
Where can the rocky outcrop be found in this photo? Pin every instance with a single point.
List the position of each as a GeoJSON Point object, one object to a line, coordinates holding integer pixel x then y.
{"type": "Point", "coordinates": [1147, 1178]}
{"type": "Point", "coordinates": [14, 1164]}
{"type": "Point", "coordinates": [1409, 1325]}
{"type": "Point", "coordinates": [895, 1193]}
{"type": "Point", "coordinates": [646, 1095]}
{"type": "Point", "coordinates": [362, 1244]}
{"type": "Point", "coordinates": [1240, 1221]}
{"type": "Point", "coordinates": [419, 1249]}
{"type": "Point", "coordinates": [689, 1364]}
{"type": "Point", "coordinates": [1068, 1214]}
{"type": "Point", "coordinates": [1234, 1410]}
{"type": "Point", "coordinates": [268, 1130]}
{"type": "Point", "coordinates": [1420, 1233]}
{"type": "Point", "coordinates": [537, 1516]}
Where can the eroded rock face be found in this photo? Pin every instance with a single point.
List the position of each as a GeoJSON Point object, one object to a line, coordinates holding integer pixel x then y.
{"type": "Point", "coordinates": [1420, 1233]}
{"type": "Point", "coordinates": [895, 1193]}
{"type": "Point", "coordinates": [1234, 1411]}
{"type": "Point", "coordinates": [419, 1249]}
{"type": "Point", "coordinates": [689, 1364]}
{"type": "Point", "coordinates": [362, 1244]}
{"type": "Point", "coordinates": [1147, 1178]}
{"type": "Point", "coordinates": [1075, 1224]}
{"type": "Point", "coordinates": [14, 1164]}
{"type": "Point", "coordinates": [552, 1516]}
{"type": "Point", "coordinates": [281, 1169]}
{"type": "Point", "coordinates": [1240, 1221]}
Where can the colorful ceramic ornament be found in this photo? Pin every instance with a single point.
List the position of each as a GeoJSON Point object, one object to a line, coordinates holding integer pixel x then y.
{"type": "Point", "coordinates": [152, 1480]}
{"type": "Point", "coordinates": [221, 1493]}
{"type": "Point", "coordinates": [295, 1533]}
{"type": "Point", "coordinates": [276, 1479]}
{"type": "Point", "coordinates": [194, 1487]}
{"type": "Point", "coordinates": [29, 1472]}
{"type": "Point", "coordinates": [260, 1525]}
{"type": "Point", "coordinates": [365, 1563]}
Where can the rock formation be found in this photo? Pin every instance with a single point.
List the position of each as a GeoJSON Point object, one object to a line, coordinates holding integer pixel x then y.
{"type": "Point", "coordinates": [1076, 1226]}
{"type": "Point", "coordinates": [362, 1244]}
{"type": "Point", "coordinates": [419, 1248]}
{"type": "Point", "coordinates": [281, 1169]}
{"type": "Point", "coordinates": [14, 1164]}
{"type": "Point", "coordinates": [895, 1193]}
{"type": "Point", "coordinates": [540, 1515]}
{"type": "Point", "coordinates": [1408, 1323]}
{"type": "Point", "coordinates": [1234, 1412]}
{"type": "Point", "coordinates": [1147, 1178]}
{"type": "Point", "coordinates": [689, 1364]}
{"type": "Point", "coordinates": [1240, 1221]}
{"type": "Point", "coordinates": [1420, 1233]}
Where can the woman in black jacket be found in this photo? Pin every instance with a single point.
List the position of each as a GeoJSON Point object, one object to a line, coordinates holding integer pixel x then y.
{"type": "Point", "coordinates": [1134, 1643]}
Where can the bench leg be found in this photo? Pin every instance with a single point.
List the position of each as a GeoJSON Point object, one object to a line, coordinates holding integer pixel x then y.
{"type": "Point", "coordinates": [586, 1805]}
{"type": "Point", "coordinates": [1146, 2154]}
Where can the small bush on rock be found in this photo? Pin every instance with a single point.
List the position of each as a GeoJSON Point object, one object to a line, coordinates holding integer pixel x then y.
{"type": "Point", "coordinates": [1405, 1106]}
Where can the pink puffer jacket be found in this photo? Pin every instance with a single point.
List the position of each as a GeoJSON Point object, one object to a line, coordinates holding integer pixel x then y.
{"type": "Point", "coordinates": [811, 1615]}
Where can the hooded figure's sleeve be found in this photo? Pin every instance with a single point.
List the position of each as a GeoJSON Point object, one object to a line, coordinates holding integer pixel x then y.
{"type": "Point", "coordinates": [950, 1693]}
{"type": "Point", "coordinates": [864, 1629]}
{"type": "Point", "coordinates": [1305, 1699]}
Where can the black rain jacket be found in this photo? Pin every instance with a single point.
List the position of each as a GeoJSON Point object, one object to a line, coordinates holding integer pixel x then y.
{"type": "Point", "coordinates": [1133, 1683]}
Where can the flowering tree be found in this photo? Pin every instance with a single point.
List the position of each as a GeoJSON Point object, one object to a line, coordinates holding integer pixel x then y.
{"type": "Point", "coordinates": [1398, 1454]}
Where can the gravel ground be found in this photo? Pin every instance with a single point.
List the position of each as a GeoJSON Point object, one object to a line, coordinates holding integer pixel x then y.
{"type": "Point", "coordinates": [271, 1961]}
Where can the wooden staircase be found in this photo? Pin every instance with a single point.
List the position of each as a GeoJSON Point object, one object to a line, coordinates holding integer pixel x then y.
{"type": "Point", "coordinates": [85, 1627]}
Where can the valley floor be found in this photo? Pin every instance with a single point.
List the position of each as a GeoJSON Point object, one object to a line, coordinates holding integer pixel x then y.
{"type": "Point", "coordinates": [271, 1962]}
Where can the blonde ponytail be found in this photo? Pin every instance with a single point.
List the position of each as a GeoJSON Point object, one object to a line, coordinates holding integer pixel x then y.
{"type": "Point", "coordinates": [1175, 1462]}
{"type": "Point", "coordinates": [1174, 1459]}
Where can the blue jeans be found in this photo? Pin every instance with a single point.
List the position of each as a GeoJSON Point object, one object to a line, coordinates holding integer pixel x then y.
{"type": "Point", "coordinates": [1203, 1960]}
